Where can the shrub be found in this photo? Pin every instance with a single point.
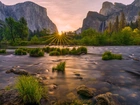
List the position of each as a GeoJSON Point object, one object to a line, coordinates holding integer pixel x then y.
{"type": "Point", "coordinates": [36, 52]}
{"type": "Point", "coordinates": [20, 51]}
{"type": "Point", "coordinates": [54, 53]}
{"type": "Point", "coordinates": [109, 56]}
{"type": "Point", "coordinates": [64, 51]}
{"type": "Point", "coordinates": [73, 51]}
{"type": "Point", "coordinates": [2, 51]}
{"type": "Point", "coordinates": [60, 67]}
{"type": "Point", "coordinates": [29, 90]}
{"type": "Point", "coordinates": [46, 49]}
{"type": "Point", "coordinates": [81, 50]}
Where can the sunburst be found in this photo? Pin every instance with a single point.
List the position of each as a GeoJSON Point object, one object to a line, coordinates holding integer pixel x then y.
{"type": "Point", "coordinates": [59, 39]}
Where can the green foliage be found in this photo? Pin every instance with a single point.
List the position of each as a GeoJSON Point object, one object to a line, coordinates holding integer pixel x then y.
{"type": "Point", "coordinates": [20, 51]}
{"type": "Point", "coordinates": [34, 40]}
{"type": "Point", "coordinates": [36, 52]}
{"type": "Point", "coordinates": [109, 56]}
{"type": "Point", "coordinates": [60, 67]}
{"type": "Point", "coordinates": [2, 51]}
{"type": "Point", "coordinates": [29, 89]}
{"type": "Point", "coordinates": [54, 53]}
{"type": "Point", "coordinates": [65, 51]}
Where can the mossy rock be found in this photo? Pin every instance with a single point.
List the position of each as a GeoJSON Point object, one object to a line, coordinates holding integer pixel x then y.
{"type": "Point", "coordinates": [106, 99]}
{"type": "Point", "coordinates": [85, 91]}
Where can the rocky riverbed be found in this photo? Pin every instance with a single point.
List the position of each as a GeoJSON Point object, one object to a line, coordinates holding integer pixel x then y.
{"type": "Point", "coordinates": [119, 77]}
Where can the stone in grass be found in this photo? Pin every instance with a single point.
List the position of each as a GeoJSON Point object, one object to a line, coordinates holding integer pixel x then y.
{"type": "Point", "coordinates": [106, 99]}
{"type": "Point", "coordinates": [85, 91]}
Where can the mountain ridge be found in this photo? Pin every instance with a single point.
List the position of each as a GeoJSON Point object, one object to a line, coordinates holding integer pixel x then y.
{"type": "Point", "coordinates": [35, 15]}
{"type": "Point", "coordinates": [110, 11]}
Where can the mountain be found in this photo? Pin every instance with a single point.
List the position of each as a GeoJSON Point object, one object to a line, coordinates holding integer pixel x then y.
{"type": "Point", "coordinates": [108, 12]}
{"type": "Point", "coordinates": [35, 15]}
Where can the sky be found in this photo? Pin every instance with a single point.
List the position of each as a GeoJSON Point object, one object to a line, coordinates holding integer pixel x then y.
{"type": "Point", "coordinates": [68, 15]}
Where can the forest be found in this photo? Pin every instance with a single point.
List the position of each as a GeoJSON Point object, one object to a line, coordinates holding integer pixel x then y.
{"type": "Point", "coordinates": [16, 33]}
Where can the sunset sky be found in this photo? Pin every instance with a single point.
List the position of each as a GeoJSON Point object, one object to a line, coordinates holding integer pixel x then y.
{"type": "Point", "coordinates": [68, 15]}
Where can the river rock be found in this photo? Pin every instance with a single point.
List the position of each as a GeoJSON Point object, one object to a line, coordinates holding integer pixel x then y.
{"type": "Point", "coordinates": [10, 97]}
{"type": "Point", "coordinates": [18, 71]}
{"type": "Point", "coordinates": [105, 99]}
{"type": "Point", "coordinates": [85, 91]}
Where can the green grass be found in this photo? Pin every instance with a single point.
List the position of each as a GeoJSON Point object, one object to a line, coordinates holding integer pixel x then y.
{"type": "Point", "coordinates": [2, 51]}
{"type": "Point", "coordinates": [54, 53]}
{"type": "Point", "coordinates": [60, 67]}
{"type": "Point", "coordinates": [65, 51]}
{"type": "Point", "coordinates": [29, 89]}
{"type": "Point", "coordinates": [20, 51]}
{"type": "Point", "coordinates": [36, 52]}
{"type": "Point", "coordinates": [110, 56]}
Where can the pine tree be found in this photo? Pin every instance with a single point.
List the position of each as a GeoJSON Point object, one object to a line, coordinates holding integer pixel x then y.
{"type": "Point", "coordinates": [116, 24]}
{"type": "Point", "coordinates": [138, 20]}
{"type": "Point", "coordinates": [122, 22]}
{"type": "Point", "coordinates": [110, 27]}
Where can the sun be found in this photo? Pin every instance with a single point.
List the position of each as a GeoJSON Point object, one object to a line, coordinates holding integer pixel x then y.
{"type": "Point", "coordinates": [59, 39]}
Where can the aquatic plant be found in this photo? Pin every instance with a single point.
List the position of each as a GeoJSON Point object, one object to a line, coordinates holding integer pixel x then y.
{"type": "Point", "coordinates": [20, 51]}
{"type": "Point", "coordinates": [36, 52]}
{"type": "Point", "coordinates": [2, 51]}
{"type": "Point", "coordinates": [60, 67]}
{"type": "Point", "coordinates": [109, 56]}
{"type": "Point", "coordinates": [54, 53]}
{"type": "Point", "coordinates": [29, 89]}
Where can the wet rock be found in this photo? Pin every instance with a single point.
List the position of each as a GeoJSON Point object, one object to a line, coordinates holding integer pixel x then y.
{"type": "Point", "coordinates": [106, 99]}
{"type": "Point", "coordinates": [77, 74]}
{"type": "Point", "coordinates": [18, 71]}
{"type": "Point", "coordinates": [10, 97]}
{"type": "Point", "coordinates": [136, 59]}
{"type": "Point", "coordinates": [85, 91]}
{"type": "Point", "coordinates": [53, 87]}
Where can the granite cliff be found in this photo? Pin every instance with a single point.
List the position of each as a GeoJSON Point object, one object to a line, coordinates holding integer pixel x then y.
{"type": "Point", "coordinates": [35, 15]}
{"type": "Point", "coordinates": [109, 11]}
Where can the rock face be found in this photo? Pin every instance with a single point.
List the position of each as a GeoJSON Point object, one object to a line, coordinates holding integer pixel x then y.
{"type": "Point", "coordinates": [93, 20]}
{"type": "Point", "coordinates": [35, 15]}
{"type": "Point", "coordinates": [99, 21]}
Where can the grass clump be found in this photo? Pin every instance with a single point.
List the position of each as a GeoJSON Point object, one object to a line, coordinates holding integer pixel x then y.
{"type": "Point", "coordinates": [60, 67]}
{"type": "Point", "coordinates": [2, 51]}
{"type": "Point", "coordinates": [36, 52]}
{"type": "Point", "coordinates": [29, 89]}
{"type": "Point", "coordinates": [54, 53]}
{"type": "Point", "coordinates": [20, 51]}
{"type": "Point", "coordinates": [110, 56]}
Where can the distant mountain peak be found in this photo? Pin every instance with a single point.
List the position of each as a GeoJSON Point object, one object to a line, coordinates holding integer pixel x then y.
{"type": "Point", "coordinates": [136, 3]}
{"type": "Point", "coordinates": [35, 15]}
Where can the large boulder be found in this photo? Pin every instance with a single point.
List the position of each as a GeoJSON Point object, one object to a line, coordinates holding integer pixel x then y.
{"type": "Point", "coordinates": [85, 91]}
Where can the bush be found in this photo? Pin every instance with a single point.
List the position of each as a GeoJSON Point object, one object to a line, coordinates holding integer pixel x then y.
{"type": "Point", "coordinates": [29, 89]}
{"type": "Point", "coordinates": [73, 51]}
{"type": "Point", "coordinates": [46, 49]}
{"type": "Point", "coordinates": [64, 51]}
{"type": "Point", "coordinates": [54, 53]}
{"type": "Point", "coordinates": [60, 67]}
{"type": "Point", "coordinates": [82, 50]}
{"type": "Point", "coordinates": [36, 52]}
{"type": "Point", "coordinates": [109, 56]}
{"type": "Point", "coordinates": [2, 51]}
{"type": "Point", "coordinates": [20, 51]}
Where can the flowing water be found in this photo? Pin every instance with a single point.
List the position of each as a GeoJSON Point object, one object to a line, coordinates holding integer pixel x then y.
{"type": "Point", "coordinates": [90, 70]}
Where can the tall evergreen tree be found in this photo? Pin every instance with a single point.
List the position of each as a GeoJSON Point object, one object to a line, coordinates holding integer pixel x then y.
{"type": "Point", "coordinates": [110, 27]}
{"type": "Point", "coordinates": [138, 20]}
{"type": "Point", "coordinates": [116, 24]}
{"type": "Point", "coordinates": [11, 24]}
{"type": "Point", "coordinates": [122, 22]}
